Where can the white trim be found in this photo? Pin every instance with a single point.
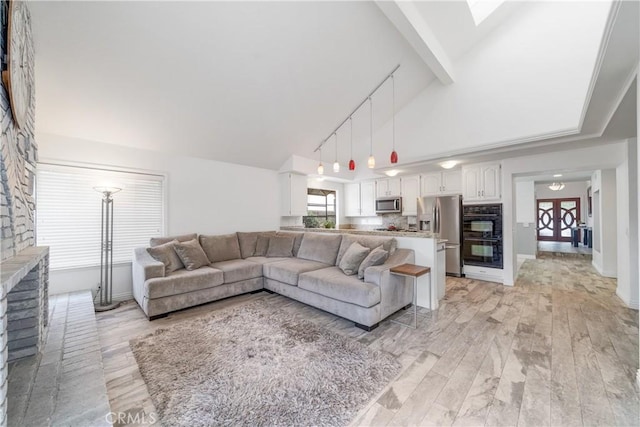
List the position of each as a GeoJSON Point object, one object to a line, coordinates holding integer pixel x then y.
{"type": "Point", "coordinates": [605, 273]}
{"type": "Point", "coordinates": [635, 304]}
{"type": "Point", "coordinates": [604, 43]}
{"type": "Point", "coordinates": [526, 256]}
{"type": "Point", "coordinates": [123, 296]}
{"type": "Point", "coordinates": [638, 377]}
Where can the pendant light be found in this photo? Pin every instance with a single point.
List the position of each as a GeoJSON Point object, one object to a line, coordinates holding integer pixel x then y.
{"type": "Point", "coordinates": [371, 163]}
{"type": "Point", "coordinates": [352, 163]}
{"type": "Point", "coordinates": [320, 167]}
{"type": "Point", "coordinates": [336, 165]}
{"type": "Point", "coordinates": [394, 155]}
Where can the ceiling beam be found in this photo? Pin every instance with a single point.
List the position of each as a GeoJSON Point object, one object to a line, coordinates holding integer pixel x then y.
{"type": "Point", "coordinates": [409, 21]}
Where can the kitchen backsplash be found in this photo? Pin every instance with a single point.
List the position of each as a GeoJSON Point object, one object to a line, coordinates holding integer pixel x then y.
{"type": "Point", "coordinates": [382, 221]}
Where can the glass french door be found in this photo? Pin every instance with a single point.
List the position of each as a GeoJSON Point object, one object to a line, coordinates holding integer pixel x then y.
{"type": "Point", "coordinates": [556, 217]}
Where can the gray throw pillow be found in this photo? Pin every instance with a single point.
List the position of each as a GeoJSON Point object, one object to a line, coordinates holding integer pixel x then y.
{"type": "Point", "coordinates": [167, 255]}
{"type": "Point", "coordinates": [280, 246]}
{"type": "Point", "coordinates": [262, 245]}
{"type": "Point", "coordinates": [376, 257]}
{"type": "Point", "coordinates": [352, 258]}
{"type": "Point", "coordinates": [191, 254]}
{"type": "Point", "coordinates": [156, 241]}
{"type": "Point", "coordinates": [221, 248]}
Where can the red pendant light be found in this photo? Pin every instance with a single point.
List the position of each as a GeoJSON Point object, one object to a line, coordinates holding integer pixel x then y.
{"type": "Point", "coordinates": [394, 154]}
{"type": "Point", "coordinates": [352, 163]}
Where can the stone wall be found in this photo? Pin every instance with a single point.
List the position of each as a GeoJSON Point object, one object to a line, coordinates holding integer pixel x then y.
{"type": "Point", "coordinates": [17, 161]}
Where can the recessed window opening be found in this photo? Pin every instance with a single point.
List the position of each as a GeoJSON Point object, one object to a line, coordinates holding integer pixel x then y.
{"type": "Point", "coordinates": [321, 209]}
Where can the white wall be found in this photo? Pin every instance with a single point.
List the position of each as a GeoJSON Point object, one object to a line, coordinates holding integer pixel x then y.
{"type": "Point", "coordinates": [587, 159]}
{"type": "Point", "coordinates": [605, 221]}
{"type": "Point", "coordinates": [627, 233]}
{"type": "Point", "coordinates": [525, 219]}
{"type": "Point", "coordinates": [203, 196]}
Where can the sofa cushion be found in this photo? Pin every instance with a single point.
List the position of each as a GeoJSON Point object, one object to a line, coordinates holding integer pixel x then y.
{"type": "Point", "coordinates": [352, 258]}
{"type": "Point", "coordinates": [236, 270]}
{"type": "Point", "coordinates": [183, 281]}
{"type": "Point", "coordinates": [297, 239]}
{"type": "Point", "coordinates": [264, 260]}
{"type": "Point", "coordinates": [376, 257]}
{"type": "Point", "coordinates": [280, 246]}
{"type": "Point", "coordinates": [247, 242]}
{"type": "Point", "coordinates": [156, 241]}
{"type": "Point", "coordinates": [287, 271]}
{"type": "Point", "coordinates": [262, 243]}
{"type": "Point", "coordinates": [191, 254]}
{"type": "Point", "coordinates": [320, 247]}
{"type": "Point", "coordinates": [221, 248]}
{"type": "Point", "coordinates": [333, 283]}
{"type": "Point", "coordinates": [167, 255]}
{"type": "Point", "coordinates": [388, 243]}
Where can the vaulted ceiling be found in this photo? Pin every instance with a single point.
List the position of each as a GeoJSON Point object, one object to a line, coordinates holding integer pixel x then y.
{"type": "Point", "coordinates": [257, 82]}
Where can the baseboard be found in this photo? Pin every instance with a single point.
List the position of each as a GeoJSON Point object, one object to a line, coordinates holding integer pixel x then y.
{"type": "Point", "coordinates": [603, 272]}
{"type": "Point", "coordinates": [124, 296]}
{"type": "Point", "coordinates": [526, 256]}
{"type": "Point", "coordinates": [630, 303]}
{"type": "Point", "coordinates": [638, 377]}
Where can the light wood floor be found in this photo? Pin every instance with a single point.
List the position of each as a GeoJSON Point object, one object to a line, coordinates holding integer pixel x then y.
{"type": "Point", "coordinates": [559, 348]}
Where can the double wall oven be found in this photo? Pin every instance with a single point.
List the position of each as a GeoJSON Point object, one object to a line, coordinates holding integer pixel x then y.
{"type": "Point", "coordinates": [482, 235]}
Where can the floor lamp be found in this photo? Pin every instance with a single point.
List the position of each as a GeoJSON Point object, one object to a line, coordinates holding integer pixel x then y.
{"type": "Point", "coordinates": [106, 254]}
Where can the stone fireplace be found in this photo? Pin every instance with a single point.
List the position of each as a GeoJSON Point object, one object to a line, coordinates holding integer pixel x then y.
{"type": "Point", "coordinates": [24, 268]}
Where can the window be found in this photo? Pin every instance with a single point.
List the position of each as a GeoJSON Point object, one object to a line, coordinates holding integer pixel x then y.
{"type": "Point", "coordinates": [321, 208]}
{"type": "Point", "coordinates": [68, 213]}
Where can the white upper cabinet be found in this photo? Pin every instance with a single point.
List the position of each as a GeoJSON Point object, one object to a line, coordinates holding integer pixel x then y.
{"type": "Point", "coordinates": [360, 199]}
{"type": "Point", "coordinates": [352, 199]}
{"type": "Point", "coordinates": [293, 193]}
{"type": "Point", "coordinates": [439, 183]}
{"type": "Point", "coordinates": [388, 187]}
{"type": "Point", "coordinates": [410, 193]}
{"type": "Point", "coordinates": [368, 198]}
{"type": "Point", "coordinates": [481, 182]}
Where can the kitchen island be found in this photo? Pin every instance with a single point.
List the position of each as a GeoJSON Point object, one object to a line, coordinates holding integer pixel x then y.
{"type": "Point", "coordinates": [429, 251]}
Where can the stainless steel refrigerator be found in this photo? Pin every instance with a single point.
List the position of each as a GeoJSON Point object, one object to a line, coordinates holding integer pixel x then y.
{"type": "Point", "coordinates": [443, 215]}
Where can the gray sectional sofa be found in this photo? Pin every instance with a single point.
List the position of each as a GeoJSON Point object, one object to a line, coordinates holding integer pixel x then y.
{"type": "Point", "coordinates": [308, 267]}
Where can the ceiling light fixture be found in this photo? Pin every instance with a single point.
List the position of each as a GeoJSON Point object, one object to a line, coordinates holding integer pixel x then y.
{"type": "Point", "coordinates": [392, 172]}
{"type": "Point", "coordinates": [556, 186]}
{"type": "Point", "coordinates": [448, 164]}
{"type": "Point", "coordinates": [558, 175]}
{"type": "Point", "coordinates": [320, 167]}
{"type": "Point", "coordinates": [394, 155]}
{"type": "Point", "coordinates": [352, 163]}
{"type": "Point", "coordinates": [336, 165]}
{"type": "Point", "coordinates": [371, 163]}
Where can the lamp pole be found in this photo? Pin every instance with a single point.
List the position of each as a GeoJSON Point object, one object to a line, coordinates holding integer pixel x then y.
{"type": "Point", "coordinates": [106, 252]}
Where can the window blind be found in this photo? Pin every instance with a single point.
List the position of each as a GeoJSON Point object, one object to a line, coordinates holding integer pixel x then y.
{"type": "Point", "coordinates": [68, 213]}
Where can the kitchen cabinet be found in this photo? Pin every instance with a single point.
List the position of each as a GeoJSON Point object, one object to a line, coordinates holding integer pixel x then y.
{"type": "Point", "coordinates": [481, 182]}
{"type": "Point", "coordinates": [293, 194]}
{"type": "Point", "coordinates": [410, 187]}
{"type": "Point", "coordinates": [360, 199]}
{"type": "Point", "coordinates": [441, 183]}
{"type": "Point", "coordinates": [388, 187]}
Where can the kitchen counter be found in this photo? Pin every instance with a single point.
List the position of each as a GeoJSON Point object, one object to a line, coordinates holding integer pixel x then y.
{"type": "Point", "coordinates": [420, 234]}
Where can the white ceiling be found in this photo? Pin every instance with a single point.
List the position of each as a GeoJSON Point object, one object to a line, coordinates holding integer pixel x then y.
{"type": "Point", "coordinates": [251, 82]}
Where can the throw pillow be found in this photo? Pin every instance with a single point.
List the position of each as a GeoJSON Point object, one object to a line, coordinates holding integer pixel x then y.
{"type": "Point", "coordinates": [221, 248]}
{"type": "Point", "coordinates": [156, 241]}
{"type": "Point", "coordinates": [191, 254]}
{"type": "Point", "coordinates": [352, 258]}
{"type": "Point", "coordinates": [262, 245]}
{"type": "Point", "coordinates": [376, 257]}
{"type": "Point", "coordinates": [167, 255]}
{"type": "Point", "coordinates": [280, 246]}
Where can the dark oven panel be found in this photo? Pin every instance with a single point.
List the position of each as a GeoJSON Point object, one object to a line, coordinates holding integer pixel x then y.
{"type": "Point", "coordinates": [482, 235]}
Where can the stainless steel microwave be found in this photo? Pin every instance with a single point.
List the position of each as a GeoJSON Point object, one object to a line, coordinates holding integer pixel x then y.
{"type": "Point", "coordinates": [388, 205]}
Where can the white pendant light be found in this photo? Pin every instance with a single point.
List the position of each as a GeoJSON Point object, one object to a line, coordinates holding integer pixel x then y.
{"type": "Point", "coordinates": [336, 165]}
{"type": "Point", "coordinates": [371, 163]}
{"type": "Point", "coordinates": [320, 167]}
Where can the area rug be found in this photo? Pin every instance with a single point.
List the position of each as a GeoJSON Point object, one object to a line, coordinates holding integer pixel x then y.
{"type": "Point", "coordinates": [255, 365]}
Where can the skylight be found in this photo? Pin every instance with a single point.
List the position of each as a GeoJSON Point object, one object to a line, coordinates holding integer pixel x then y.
{"type": "Point", "coordinates": [481, 9]}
